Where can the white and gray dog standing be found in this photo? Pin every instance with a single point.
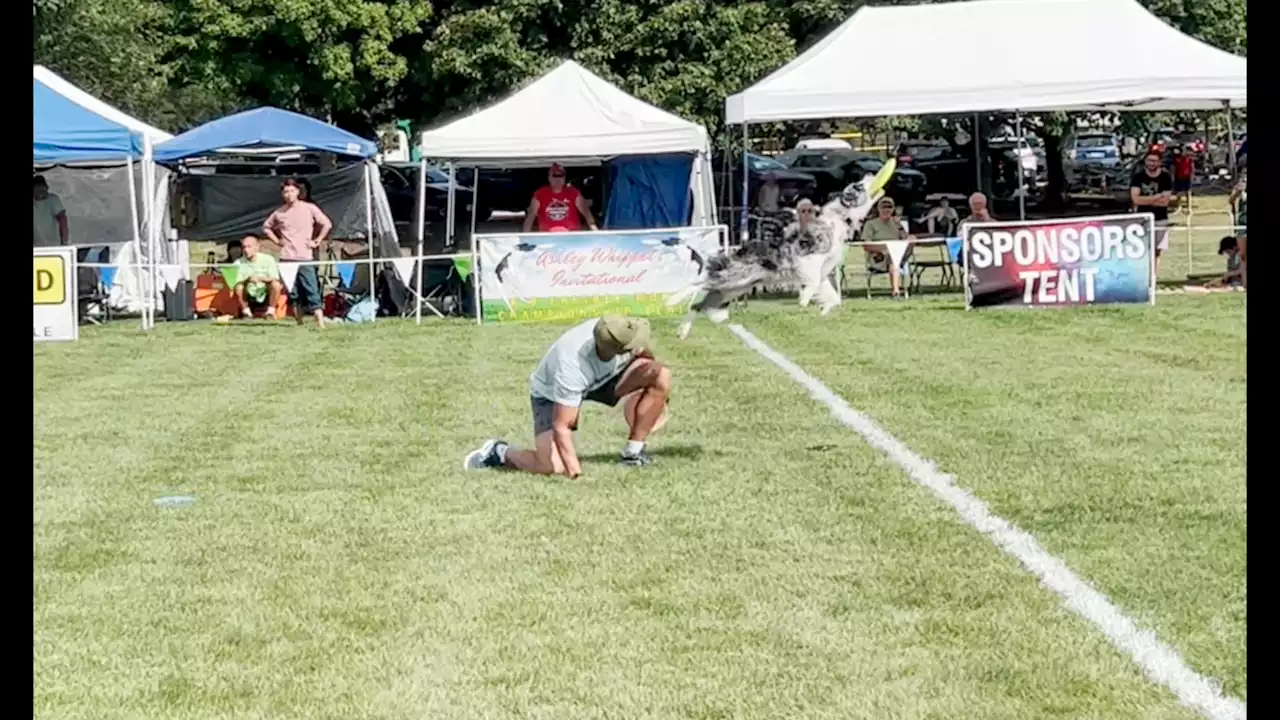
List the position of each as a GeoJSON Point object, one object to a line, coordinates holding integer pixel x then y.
{"type": "Point", "coordinates": [803, 252]}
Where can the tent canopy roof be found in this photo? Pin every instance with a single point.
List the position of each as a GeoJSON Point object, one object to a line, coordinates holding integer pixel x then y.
{"type": "Point", "coordinates": [262, 128]}
{"type": "Point", "coordinates": [71, 126]}
{"type": "Point", "coordinates": [996, 55]}
{"type": "Point", "coordinates": [568, 112]}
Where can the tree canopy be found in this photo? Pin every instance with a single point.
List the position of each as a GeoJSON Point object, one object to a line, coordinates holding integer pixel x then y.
{"type": "Point", "coordinates": [362, 63]}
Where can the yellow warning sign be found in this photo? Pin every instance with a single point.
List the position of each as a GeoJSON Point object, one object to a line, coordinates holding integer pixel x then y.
{"type": "Point", "coordinates": [50, 280]}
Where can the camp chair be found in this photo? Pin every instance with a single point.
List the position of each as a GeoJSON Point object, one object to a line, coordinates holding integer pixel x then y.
{"type": "Point", "coordinates": [444, 286]}
{"type": "Point", "coordinates": [942, 263]}
{"type": "Point", "coordinates": [92, 285]}
{"type": "Point", "coordinates": [91, 295]}
{"type": "Point", "coordinates": [872, 269]}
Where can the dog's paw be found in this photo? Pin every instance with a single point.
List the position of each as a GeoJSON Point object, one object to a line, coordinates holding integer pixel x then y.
{"type": "Point", "coordinates": [685, 328]}
{"type": "Point", "coordinates": [718, 315]}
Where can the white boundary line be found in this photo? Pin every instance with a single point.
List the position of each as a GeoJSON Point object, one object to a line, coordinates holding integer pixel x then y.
{"type": "Point", "coordinates": [1158, 661]}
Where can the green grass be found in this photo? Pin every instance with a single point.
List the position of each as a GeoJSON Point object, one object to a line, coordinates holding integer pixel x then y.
{"type": "Point", "coordinates": [337, 563]}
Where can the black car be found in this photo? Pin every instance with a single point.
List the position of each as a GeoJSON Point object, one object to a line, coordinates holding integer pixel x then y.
{"type": "Point", "coordinates": [401, 183]}
{"type": "Point", "coordinates": [951, 169]}
{"type": "Point", "coordinates": [834, 168]}
{"type": "Point", "coordinates": [792, 185]}
{"type": "Point", "coordinates": [511, 189]}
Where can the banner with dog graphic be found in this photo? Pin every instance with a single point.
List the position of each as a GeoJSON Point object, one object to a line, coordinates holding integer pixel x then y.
{"type": "Point", "coordinates": [568, 276]}
{"type": "Point", "coordinates": [1056, 263]}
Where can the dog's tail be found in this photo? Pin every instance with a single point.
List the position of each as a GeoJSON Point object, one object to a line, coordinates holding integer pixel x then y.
{"type": "Point", "coordinates": [682, 296]}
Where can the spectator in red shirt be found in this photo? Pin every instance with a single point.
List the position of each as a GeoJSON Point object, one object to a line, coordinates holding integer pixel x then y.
{"type": "Point", "coordinates": [1184, 168]}
{"type": "Point", "coordinates": [556, 205]}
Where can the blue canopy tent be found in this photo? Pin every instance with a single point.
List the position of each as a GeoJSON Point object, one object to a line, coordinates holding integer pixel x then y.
{"type": "Point", "coordinates": [64, 132]}
{"type": "Point", "coordinates": [87, 151]}
{"type": "Point", "coordinates": [265, 129]}
{"type": "Point", "coordinates": [272, 131]}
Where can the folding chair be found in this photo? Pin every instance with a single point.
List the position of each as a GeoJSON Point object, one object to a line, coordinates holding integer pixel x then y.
{"type": "Point", "coordinates": [92, 295]}
{"type": "Point", "coordinates": [873, 269]}
{"type": "Point", "coordinates": [943, 264]}
{"type": "Point", "coordinates": [444, 286]}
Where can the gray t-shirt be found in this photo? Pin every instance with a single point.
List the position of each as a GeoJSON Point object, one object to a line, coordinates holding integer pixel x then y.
{"type": "Point", "coordinates": [571, 368]}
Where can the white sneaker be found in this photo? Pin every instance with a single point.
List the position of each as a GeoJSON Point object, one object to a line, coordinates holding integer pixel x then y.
{"type": "Point", "coordinates": [486, 456]}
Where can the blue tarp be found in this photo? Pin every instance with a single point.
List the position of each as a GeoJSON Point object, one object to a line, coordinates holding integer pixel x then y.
{"type": "Point", "coordinates": [63, 132]}
{"type": "Point", "coordinates": [264, 128]}
{"type": "Point", "coordinates": [650, 191]}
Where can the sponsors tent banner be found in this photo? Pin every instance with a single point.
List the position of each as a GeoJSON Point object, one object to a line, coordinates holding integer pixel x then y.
{"type": "Point", "coordinates": [1055, 263]}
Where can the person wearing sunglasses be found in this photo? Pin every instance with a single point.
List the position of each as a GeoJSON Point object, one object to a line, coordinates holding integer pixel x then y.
{"type": "Point", "coordinates": [557, 205]}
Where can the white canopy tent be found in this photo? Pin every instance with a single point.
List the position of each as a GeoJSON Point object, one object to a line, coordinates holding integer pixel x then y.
{"type": "Point", "coordinates": [1025, 55]}
{"type": "Point", "coordinates": [982, 55]}
{"type": "Point", "coordinates": [573, 115]}
{"type": "Point", "coordinates": [130, 283]}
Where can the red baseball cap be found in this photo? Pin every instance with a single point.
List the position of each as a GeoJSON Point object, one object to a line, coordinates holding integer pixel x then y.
{"type": "Point", "coordinates": [556, 168]}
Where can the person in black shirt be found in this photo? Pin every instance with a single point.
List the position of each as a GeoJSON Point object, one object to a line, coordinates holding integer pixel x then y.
{"type": "Point", "coordinates": [1151, 190]}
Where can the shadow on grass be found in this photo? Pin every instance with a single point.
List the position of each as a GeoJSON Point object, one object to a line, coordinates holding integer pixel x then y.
{"type": "Point", "coordinates": [681, 451]}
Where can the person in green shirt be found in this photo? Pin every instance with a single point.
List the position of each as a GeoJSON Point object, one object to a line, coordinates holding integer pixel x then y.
{"type": "Point", "coordinates": [885, 226]}
{"type": "Point", "coordinates": [258, 281]}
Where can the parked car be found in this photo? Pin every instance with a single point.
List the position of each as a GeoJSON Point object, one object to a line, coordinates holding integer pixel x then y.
{"type": "Point", "coordinates": [1090, 148]}
{"type": "Point", "coordinates": [792, 184]}
{"type": "Point", "coordinates": [948, 169]}
{"type": "Point", "coordinates": [951, 170]}
{"type": "Point", "coordinates": [835, 168]}
{"type": "Point", "coordinates": [1092, 164]}
{"type": "Point", "coordinates": [511, 189]}
{"type": "Point", "coordinates": [400, 180]}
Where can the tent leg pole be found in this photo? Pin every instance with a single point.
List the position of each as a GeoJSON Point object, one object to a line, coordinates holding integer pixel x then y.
{"type": "Point", "coordinates": [368, 224]}
{"type": "Point", "coordinates": [148, 176]}
{"type": "Point", "coordinates": [475, 280]}
{"type": "Point", "coordinates": [1022, 184]}
{"type": "Point", "coordinates": [450, 211]}
{"type": "Point", "coordinates": [745, 230]}
{"type": "Point", "coordinates": [1231, 143]}
{"type": "Point", "coordinates": [475, 198]}
{"type": "Point", "coordinates": [421, 221]}
{"type": "Point", "coordinates": [137, 236]}
{"type": "Point", "coordinates": [977, 153]}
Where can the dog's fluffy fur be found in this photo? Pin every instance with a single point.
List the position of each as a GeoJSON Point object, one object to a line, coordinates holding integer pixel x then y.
{"type": "Point", "coordinates": [784, 254]}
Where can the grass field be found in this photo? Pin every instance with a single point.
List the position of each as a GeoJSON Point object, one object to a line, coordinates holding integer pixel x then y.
{"type": "Point", "coordinates": [337, 564]}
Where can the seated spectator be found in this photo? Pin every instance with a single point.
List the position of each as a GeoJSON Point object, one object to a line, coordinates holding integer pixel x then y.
{"type": "Point", "coordinates": [1239, 201]}
{"type": "Point", "coordinates": [978, 211]}
{"type": "Point", "coordinates": [942, 218]}
{"type": "Point", "coordinates": [258, 283]}
{"type": "Point", "coordinates": [885, 226]}
{"type": "Point", "coordinates": [1235, 270]}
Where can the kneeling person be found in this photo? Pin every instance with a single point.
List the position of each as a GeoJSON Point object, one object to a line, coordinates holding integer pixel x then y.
{"type": "Point", "coordinates": [605, 361]}
{"type": "Point", "coordinates": [258, 281]}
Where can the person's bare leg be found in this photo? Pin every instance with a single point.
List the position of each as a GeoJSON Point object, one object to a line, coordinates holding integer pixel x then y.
{"type": "Point", "coordinates": [319, 313]}
{"type": "Point", "coordinates": [274, 288]}
{"type": "Point", "coordinates": [653, 380]}
{"type": "Point", "coordinates": [895, 279]}
{"type": "Point", "coordinates": [544, 459]}
{"type": "Point", "coordinates": [244, 302]}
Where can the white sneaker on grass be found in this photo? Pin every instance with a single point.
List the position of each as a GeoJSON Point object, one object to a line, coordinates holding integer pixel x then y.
{"type": "Point", "coordinates": [485, 457]}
